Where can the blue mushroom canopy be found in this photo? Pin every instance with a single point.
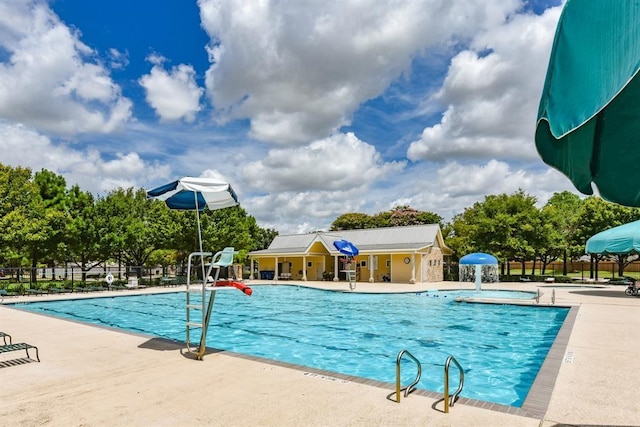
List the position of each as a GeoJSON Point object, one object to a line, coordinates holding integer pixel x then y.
{"type": "Point", "coordinates": [479, 258]}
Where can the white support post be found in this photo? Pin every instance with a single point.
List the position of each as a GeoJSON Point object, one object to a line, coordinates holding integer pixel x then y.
{"type": "Point", "coordinates": [413, 269]}
{"type": "Point", "coordinates": [304, 268]}
{"type": "Point", "coordinates": [371, 279]}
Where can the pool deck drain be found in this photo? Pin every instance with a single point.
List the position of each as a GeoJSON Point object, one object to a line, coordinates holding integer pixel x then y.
{"type": "Point", "coordinates": [95, 376]}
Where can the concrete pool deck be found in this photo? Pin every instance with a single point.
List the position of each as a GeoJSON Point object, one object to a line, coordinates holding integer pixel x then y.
{"type": "Point", "coordinates": [94, 376]}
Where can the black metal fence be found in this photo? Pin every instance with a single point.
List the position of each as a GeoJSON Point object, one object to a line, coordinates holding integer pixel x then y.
{"type": "Point", "coordinates": [23, 281]}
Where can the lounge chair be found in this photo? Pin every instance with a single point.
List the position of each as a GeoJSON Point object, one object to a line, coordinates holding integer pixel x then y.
{"type": "Point", "coordinates": [4, 337]}
{"type": "Point", "coordinates": [5, 293]}
{"type": "Point", "coordinates": [133, 284]}
{"type": "Point", "coordinates": [56, 290]}
{"type": "Point", "coordinates": [81, 289]}
{"type": "Point", "coordinates": [19, 346]}
{"type": "Point", "coordinates": [173, 281]}
{"type": "Point", "coordinates": [116, 286]}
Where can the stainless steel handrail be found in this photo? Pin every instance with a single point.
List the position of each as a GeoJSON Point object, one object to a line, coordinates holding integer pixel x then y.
{"type": "Point", "coordinates": [454, 396]}
{"type": "Point", "coordinates": [412, 385]}
{"type": "Point", "coordinates": [192, 323]}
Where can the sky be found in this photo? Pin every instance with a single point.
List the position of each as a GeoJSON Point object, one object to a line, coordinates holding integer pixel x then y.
{"type": "Point", "coordinates": [310, 109]}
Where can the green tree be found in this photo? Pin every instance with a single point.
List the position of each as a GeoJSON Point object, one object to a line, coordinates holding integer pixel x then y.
{"type": "Point", "coordinates": [48, 241]}
{"type": "Point", "coordinates": [31, 220]}
{"type": "Point", "coordinates": [262, 237]}
{"type": "Point", "coordinates": [597, 215]}
{"type": "Point", "coordinates": [352, 221]}
{"type": "Point", "coordinates": [85, 231]}
{"type": "Point", "coordinates": [228, 227]}
{"type": "Point", "coordinates": [502, 225]}
{"type": "Point", "coordinates": [399, 216]}
{"type": "Point", "coordinates": [560, 218]}
{"type": "Point", "coordinates": [136, 225]}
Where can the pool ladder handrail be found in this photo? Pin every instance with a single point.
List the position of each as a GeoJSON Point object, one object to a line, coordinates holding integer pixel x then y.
{"type": "Point", "coordinates": [411, 386]}
{"type": "Point", "coordinates": [450, 400]}
{"type": "Point", "coordinates": [223, 258]}
{"type": "Point", "coordinates": [201, 307]}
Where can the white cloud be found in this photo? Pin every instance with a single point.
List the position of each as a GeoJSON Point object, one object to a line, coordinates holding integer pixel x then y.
{"type": "Point", "coordinates": [302, 212]}
{"type": "Point", "coordinates": [118, 60]}
{"type": "Point", "coordinates": [23, 146]}
{"type": "Point", "coordinates": [47, 80]}
{"type": "Point", "coordinates": [304, 189]}
{"type": "Point", "coordinates": [450, 188]}
{"type": "Point", "coordinates": [339, 163]}
{"type": "Point", "coordinates": [295, 72]}
{"type": "Point", "coordinates": [492, 92]}
{"type": "Point", "coordinates": [174, 95]}
{"type": "Point", "coordinates": [299, 70]}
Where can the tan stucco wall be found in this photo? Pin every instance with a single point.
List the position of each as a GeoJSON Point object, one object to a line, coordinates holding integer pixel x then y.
{"type": "Point", "coordinates": [398, 270]}
{"type": "Point", "coordinates": [435, 265]}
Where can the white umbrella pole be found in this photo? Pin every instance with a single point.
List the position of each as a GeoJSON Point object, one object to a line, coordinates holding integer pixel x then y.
{"type": "Point", "coordinates": [204, 279]}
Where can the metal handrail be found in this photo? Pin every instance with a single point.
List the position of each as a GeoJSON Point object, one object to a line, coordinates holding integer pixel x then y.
{"type": "Point", "coordinates": [412, 385]}
{"type": "Point", "coordinates": [454, 396]}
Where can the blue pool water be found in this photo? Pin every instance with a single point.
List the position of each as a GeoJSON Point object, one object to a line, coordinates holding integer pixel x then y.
{"type": "Point", "coordinates": [501, 347]}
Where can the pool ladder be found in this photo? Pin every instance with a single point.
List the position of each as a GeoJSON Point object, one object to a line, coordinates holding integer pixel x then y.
{"type": "Point", "coordinates": [411, 386]}
{"type": "Point", "coordinates": [351, 277]}
{"type": "Point", "coordinates": [449, 400]}
{"type": "Point", "coordinates": [201, 309]}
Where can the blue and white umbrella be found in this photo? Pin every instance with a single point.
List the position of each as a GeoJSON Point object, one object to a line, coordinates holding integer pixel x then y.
{"type": "Point", "coordinates": [195, 193]}
{"type": "Point", "coordinates": [346, 247]}
{"type": "Point", "coordinates": [191, 193]}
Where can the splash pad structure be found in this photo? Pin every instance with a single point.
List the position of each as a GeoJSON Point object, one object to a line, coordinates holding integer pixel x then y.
{"type": "Point", "coordinates": [479, 267]}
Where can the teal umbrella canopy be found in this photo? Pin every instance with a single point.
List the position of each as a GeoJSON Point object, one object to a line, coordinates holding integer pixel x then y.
{"type": "Point", "coordinates": [589, 115]}
{"type": "Point", "coordinates": [624, 239]}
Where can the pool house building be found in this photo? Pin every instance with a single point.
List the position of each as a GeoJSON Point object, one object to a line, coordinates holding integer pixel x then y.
{"type": "Point", "coordinates": [411, 254]}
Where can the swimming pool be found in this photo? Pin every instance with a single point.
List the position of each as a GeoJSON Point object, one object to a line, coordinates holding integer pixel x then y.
{"type": "Point", "coordinates": [501, 347]}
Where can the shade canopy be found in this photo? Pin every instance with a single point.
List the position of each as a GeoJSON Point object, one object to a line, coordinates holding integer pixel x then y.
{"type": "Point", "coordinates": [479, 258]}
{"type": "Point", "coordinates": [621, 240]}
{"type": "Point", "coordinates": [346, 247]}
{"type": "Point", "coordinates": [589, 115]}
{"type": "Point", "coordinates": [191, 193]}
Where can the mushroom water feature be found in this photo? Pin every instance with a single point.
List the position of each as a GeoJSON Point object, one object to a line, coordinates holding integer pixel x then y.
{"type": "Point", "coordinates": [476, 261]}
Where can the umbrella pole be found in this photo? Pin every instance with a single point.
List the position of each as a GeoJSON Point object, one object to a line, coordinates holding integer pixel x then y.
{"type": "Point", "coordinates": [204, 279]}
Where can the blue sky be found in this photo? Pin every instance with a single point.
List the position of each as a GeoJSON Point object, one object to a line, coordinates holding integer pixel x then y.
{"type": "Point", "coordinates": [311, 109]}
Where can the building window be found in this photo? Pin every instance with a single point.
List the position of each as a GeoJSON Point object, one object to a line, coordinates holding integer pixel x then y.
{"type": "Point", "coordinates": [363, 263]}
{"type": "Point", "coordinates": [309, 264]}
{"type": "Point", "coordinates": [388, 263]}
